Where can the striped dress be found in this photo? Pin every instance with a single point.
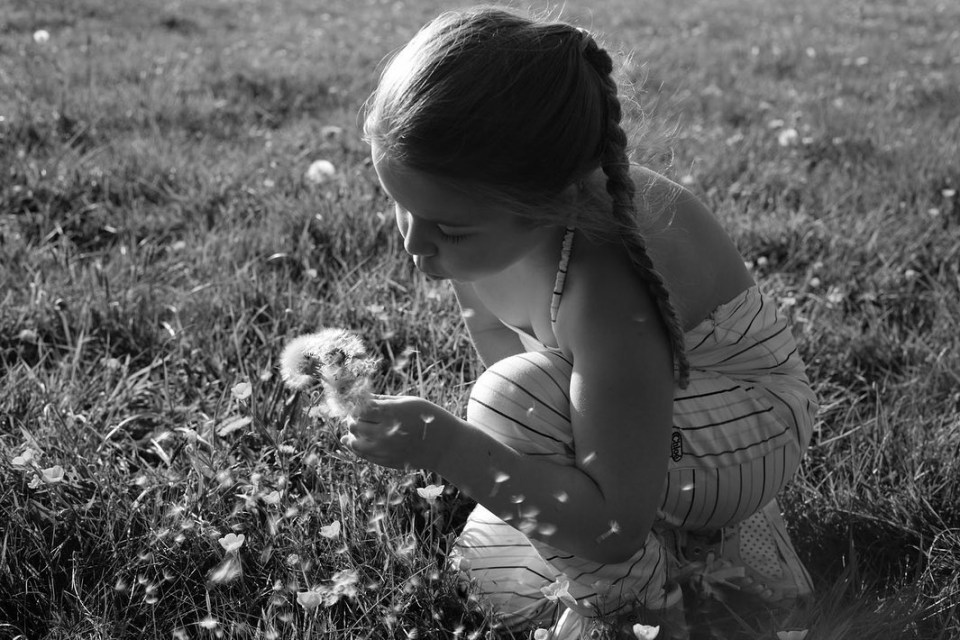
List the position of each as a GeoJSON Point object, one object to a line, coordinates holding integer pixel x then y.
{"type": "Point", "coordinates": [739, 431]}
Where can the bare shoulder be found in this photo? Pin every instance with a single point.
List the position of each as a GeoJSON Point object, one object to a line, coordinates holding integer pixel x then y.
{"type": "Point", "coordinates": [697, 259]}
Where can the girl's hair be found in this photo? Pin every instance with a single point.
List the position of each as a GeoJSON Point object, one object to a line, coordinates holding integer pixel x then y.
{"type": "Point", "coordinates": [517, 111]}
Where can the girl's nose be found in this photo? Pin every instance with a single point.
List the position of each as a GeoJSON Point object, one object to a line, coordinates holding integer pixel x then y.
{"type": "Point", "coordinates": [416, 238]}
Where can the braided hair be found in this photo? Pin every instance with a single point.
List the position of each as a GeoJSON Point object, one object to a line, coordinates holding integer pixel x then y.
{"type": "Point", "coordinates": [516, 111]}
{"type": "Point", "coordinates": [616, 166]}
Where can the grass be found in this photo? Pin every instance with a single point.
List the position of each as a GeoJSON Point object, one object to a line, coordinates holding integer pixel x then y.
{"type": "Point", "coordinates": [159, 245]}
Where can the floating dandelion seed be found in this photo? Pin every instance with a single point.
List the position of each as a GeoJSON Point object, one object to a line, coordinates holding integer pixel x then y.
{"type": "Point", "coordinates": [227, 571]}
{"type": "Point", "coordinates": [645, 632]}
{"type": "Point", "coordinates": [209, 622]}
{"type": "Point", "coordinates": [231, 542]}
{"type": "Point", "coordinates": [431, 492]}
{"type": "Point", "coordinates": [558, 591]}
{"type": "Point", "coordinates": [331, 531]}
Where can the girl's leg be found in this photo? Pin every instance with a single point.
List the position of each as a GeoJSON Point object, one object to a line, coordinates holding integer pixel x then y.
{"type": "Point", "coordinates": [736, 445]}
{"type": "Point", "coordinates": [524, 401]}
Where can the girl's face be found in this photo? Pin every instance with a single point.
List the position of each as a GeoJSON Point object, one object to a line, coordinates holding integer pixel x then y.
{"type": "Point", "coordinates": [449, 235]}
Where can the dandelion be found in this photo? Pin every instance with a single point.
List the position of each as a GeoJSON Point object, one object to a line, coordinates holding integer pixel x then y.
{"type": "Point", "coordinates": [232, 542]}
{"type": "Point", "coordinates": [53, 475]}
{"type": "Point", "coordinates": [331, 531]}
{"type": "Point", "coordinates": [320, 172]}
{"type": "Point", "coordinates": [431, 492]}
{"type": "Point", "coordinates": [336, 360]}
{"type": "Point", "coordinates": [559, 591]}
{"type": "Point", "coordinates": [645, 632]}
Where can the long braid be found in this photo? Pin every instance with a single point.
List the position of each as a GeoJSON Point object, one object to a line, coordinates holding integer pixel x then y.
{"type": "Point", "coordinates": [620, 186]}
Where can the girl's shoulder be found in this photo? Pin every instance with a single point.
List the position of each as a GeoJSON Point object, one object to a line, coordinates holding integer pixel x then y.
{"type": "Point", "coordinates": [687, 243]}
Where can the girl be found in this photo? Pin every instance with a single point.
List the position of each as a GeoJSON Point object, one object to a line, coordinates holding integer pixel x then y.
{"type": "Point", "coordinates": [643, 401]}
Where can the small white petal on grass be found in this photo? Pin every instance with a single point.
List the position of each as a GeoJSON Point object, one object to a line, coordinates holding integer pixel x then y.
{"type": "Point", "coordinates": [272, 497]}
{"type": "Point", "coordinates": [232, 542]}
{"type": "Point", "coordinates": [242, 390]}
{"type": "Point", "coordinates": [320, 171]}
{"type": "Point", "coordinates": [645, 632]}
{"type": "Point", "coordinates": [41, 36]}
{"type": "Point", "coordinates": [331, 530]}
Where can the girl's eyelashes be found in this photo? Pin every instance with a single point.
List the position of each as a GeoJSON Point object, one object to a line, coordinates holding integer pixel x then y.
{"type": "Point", "coordinates": [450, 237]}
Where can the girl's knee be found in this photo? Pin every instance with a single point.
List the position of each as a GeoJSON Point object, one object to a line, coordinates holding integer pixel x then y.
{"type": "Point", "coordinates": [524, 401]}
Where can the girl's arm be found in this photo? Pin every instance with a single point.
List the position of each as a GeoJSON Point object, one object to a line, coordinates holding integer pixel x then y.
{"type": "Point", "coordinates": [621, 409]}
{"type": "Point", "coordinates": [492, 340]}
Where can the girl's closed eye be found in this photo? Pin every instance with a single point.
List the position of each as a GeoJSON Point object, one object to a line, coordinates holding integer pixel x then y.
{"type": "Point", "coordinates": [452, 238]}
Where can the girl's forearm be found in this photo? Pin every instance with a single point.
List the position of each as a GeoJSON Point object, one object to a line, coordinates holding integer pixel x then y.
{"type": "Point", "coordinates": [559, 505]}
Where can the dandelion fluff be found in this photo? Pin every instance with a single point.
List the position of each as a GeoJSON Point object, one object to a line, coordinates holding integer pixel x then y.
{"type": "Point", "coordinates": [336, 361]}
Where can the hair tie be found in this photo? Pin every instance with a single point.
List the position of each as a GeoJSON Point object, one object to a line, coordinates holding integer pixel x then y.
{"type": "Point", "coordinates": [586, 40]}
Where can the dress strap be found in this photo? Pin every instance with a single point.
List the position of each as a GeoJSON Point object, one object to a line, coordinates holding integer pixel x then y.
{"type": "Point", "coordinates": [561, 274]}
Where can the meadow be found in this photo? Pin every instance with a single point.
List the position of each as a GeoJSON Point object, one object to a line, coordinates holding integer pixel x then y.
{"type": "Point", "coordinates": [161, 240]}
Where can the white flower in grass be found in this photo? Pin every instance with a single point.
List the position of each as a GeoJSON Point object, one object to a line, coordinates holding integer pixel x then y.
{"type": "Point", "coordinates": [24, 459]}
{"type": "Point", "coordinates": [241, 390]}
{"type": "Point", "coordinates": [431, 492]}
{"type": "Point", "coordinates": [53, 475]}
{"type": "Point", "coordinates": [541, 634]}
{"type": "Point", "coordinates": [559, 591]}
{"type": "Point", "coordinates": [309, 600]}
{"type": "Point", "coordinates": [331, 531]}
{"type": "Point", "coordinates": [645, 632]}
{"type": "Point", "coordinates": [41, 36]}
{"type": "Point", "coordinates": [788, 137]}
{"type": "Point", "coordinates": [232, 542]}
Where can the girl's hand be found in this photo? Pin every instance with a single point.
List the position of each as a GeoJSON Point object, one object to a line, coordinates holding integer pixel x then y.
{"type": "Point", "coordinates": [401, 432]}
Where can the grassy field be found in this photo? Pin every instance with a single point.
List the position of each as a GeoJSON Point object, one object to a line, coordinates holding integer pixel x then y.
{"type": "Point", "coordinates": [160, 243]}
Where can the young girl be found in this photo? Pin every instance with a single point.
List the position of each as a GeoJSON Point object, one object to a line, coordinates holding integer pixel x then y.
{"type": "Point", "coordinates": [643, 401]}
